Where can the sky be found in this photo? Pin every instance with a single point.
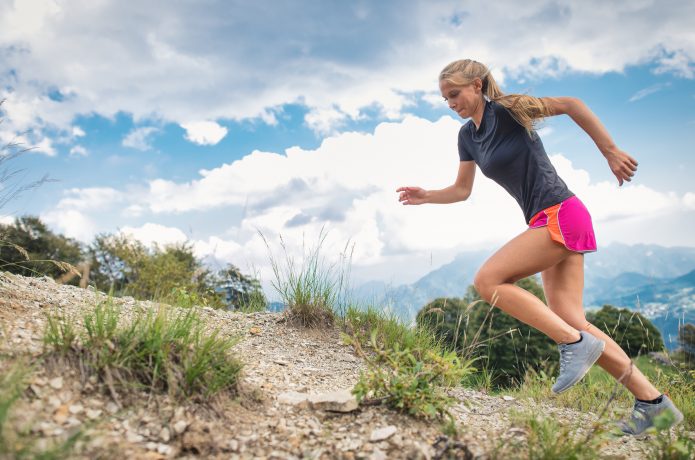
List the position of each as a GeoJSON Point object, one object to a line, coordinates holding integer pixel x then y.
{"type": "Point", "coordinates": [242, 127]}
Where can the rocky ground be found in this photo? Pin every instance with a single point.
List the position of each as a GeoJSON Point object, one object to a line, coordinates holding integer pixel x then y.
{"type": "Point", "coordinates": [278, 414]}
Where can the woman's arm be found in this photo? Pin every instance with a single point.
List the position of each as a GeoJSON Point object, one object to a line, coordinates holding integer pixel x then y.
{"type": "Point", "coordinates": [622, 164]}
{"type": "Point", "coordinates": [459, 191]}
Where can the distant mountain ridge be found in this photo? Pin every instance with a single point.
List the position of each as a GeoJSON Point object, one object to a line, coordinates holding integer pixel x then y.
{"type": "Point", "coordinates": [662, 278]}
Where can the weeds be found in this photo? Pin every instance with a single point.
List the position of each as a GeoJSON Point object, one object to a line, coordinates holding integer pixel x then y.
{"type": "Point", "coordinates": [548, 439]}
{"type": "Point", "coordinates": [313, 291]}
{"type": "Point", "coordinates": [667, 447]}
{"type": "Point", "coordinates": [164, 350]}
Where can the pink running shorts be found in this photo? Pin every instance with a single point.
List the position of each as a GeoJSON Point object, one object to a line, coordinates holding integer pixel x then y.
{"type": "Point", "coordinates": [569, 224]}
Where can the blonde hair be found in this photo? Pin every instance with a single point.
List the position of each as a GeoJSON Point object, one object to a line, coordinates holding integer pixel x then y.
{"type": "Point", "coordinates": [526, 110]}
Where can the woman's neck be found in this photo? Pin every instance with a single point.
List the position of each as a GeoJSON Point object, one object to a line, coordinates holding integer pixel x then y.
{"type": "Point", "coordinates": [477, 116]}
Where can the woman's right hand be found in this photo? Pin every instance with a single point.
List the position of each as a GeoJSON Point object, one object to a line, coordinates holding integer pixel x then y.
{"type": "Point", "coordinates": [412, 195]}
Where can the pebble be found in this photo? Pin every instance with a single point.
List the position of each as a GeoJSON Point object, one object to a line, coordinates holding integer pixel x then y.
{"type": "Point", "coordinates": [56, 383]}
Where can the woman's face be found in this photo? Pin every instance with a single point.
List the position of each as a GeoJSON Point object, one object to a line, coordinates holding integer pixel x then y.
{"type": "Point", "coordinates": [462, 99]}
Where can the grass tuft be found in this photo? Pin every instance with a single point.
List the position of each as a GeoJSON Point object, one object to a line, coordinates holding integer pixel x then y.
{"type": "Point", "coordinates": [166, 350]}
{"type": "Point", "coordinates": [314, 291]}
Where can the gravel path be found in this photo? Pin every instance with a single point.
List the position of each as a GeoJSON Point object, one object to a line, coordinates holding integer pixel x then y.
{"type": "Point", "coordinates": [277, 359]}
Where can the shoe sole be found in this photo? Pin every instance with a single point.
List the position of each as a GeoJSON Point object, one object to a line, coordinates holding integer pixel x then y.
{"type": "Point", "coordinates": [597, 354]}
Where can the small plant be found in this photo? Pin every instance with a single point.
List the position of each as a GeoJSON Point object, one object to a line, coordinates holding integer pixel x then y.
{"type": "Point", "coordinates": [165, 350]}
{"type": "Point", "coordinates": [255, 301]}
{"type": "Point", "coordinates": [668, 447]}
{"type": "Point", "coordinates": [548, 439]}
{"type": "Point", "coordinates": [409, 380]}
{"type": "Point", "coordinates": [313, 291]}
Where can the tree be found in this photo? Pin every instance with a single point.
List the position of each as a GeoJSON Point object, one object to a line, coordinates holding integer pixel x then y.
{"type": "Point", "coordinates": [505, 346]}
{"type": "Point", "coordinates": [28, 247]}
{"type": "Point", "coordinates": [686, 337]}
{"type": "Point", "coordinates": [633, 332]}
{"type": "Point", "coordinates": [240, 290]}
{"type": "Point", "coordinates": [127, 267]}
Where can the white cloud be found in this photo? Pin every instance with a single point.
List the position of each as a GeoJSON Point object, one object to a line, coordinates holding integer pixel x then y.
{"type": "Point", "coordinates": [358, 57]}
{"type": "Point", "coordinates": [79, 151]}
{"type": "Point", "coordinates": [72, 223]}
{"type": "Point", "coordinates": [6, 220]}
{"type": "Point", "coordinates": [641, 94]}
{"type": "Point", "coordinates": [204, 132]}
{"type": "Point", "coordinates": [44, 146]}
{"type": "Point", "coordinates": [347, 187]}
{"type": "Point", "coordinates": [140, 138]}
{"type": "Point", "coordinates": [151, 233]}
{"type": "Point", "coordinates": [689, 200]}
{"type": "Point", "coordinates": [78, 132]}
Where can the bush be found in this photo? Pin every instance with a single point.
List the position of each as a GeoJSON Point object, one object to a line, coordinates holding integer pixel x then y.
{"type": "Point", "coordinates": [633, 332]}
{"type": "Point", "coordinates": [505, 347]}
{"type": "Point", "coordinates": [409, 380]}
{"type": "Point", "coordinates": [165, 350]}
{"type": "Point", "coordinates": [127, 267]}
{"type": "Point", "coordinates": [686, 337]}
{"type": "Point", "coordinates": [28, 247]}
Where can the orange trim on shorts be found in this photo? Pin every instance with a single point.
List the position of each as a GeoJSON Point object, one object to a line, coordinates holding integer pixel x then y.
{"type": "Point", "coordinates": [553, 223]}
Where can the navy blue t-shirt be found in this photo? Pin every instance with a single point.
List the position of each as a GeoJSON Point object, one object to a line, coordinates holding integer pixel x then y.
{"type": "Point", "coordinates": [504, 152]}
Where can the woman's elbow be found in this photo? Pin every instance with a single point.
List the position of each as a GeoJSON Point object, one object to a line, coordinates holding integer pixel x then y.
{"type": "Point", "coordinates": [464, 194]}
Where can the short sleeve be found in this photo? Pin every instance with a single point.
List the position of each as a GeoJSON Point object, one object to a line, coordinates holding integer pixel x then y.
{"type": "Point", "coordinates": [464, 155]}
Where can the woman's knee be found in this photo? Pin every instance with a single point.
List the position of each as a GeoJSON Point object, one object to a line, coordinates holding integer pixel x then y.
{"type": "Point", "coordinates": [485, 283]}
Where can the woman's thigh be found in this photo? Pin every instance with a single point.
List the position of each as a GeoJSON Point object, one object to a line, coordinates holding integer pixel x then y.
{"type": "Point", "coordinates": [563, 284]}
{"type": "Point", "coordinates": [529, 253]}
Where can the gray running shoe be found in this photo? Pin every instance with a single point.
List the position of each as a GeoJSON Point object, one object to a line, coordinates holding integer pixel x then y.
{"type": "Point", "coordinates": [576, 359]}
{"type": "Point", "coordinates": [643, 415]}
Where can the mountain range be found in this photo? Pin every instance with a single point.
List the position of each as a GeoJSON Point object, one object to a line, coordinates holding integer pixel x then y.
{"type": "Point", "coordinates": [657, 281]}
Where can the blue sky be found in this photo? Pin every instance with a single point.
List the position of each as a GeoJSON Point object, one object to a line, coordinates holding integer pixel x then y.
{"type": "Point", "coordinates": [211, 122]}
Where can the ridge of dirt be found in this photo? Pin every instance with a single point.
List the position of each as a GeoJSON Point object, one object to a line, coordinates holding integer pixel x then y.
{"type": "Point", "coordinates": [277, 358]}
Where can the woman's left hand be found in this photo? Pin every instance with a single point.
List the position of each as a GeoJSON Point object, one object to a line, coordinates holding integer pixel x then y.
{"type": "Point", "coordinates": [622, 164]}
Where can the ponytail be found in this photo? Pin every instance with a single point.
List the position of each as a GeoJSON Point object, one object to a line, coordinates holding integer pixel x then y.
{"type": "Point", "coordinates": [526, 110]}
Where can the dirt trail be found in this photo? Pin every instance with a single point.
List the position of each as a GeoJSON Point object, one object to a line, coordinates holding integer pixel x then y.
{"type": "Point", "coordinates": [278, 358]}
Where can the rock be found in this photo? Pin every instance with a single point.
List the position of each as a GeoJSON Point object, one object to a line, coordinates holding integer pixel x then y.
{"type": "Point", "coordinates": [383, 433]}
{"type": "Point", "coordinates": [255, 330]}
{"type": "Point", "coordinates": [133, 437]}
{"type": "Point", "coordinates": [508, 398]}
{"type": "Point", "coordinates": [335, 401]}
{"type": "Point", "coordinates": [61, 414]}
{"type": "Point", "coordinates": [111, 407]}
{"type": "Point", "coordinates": [377, 455]}
{"type": "Point", "coordinates": [180, 426]}
{"type": "Point", "coordinates": [165, 434]}
{"type": "Point", "coordinates": [56, 383]}
{"type": "Point", "coordinates": [76, 409]}
{"type": "Point", "coordinates": [93, 414]}
{"type": "Point", "coordinates": [293, 398]}
{"type": "Point", "coordinates": [281, 362]}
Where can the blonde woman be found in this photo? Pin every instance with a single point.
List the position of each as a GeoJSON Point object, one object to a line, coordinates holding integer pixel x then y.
{"type": "Point", "coordinates": [500, 139]}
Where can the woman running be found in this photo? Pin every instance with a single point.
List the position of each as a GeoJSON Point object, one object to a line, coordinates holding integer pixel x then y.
{"type": "Point", "coordinates": [500, 139]}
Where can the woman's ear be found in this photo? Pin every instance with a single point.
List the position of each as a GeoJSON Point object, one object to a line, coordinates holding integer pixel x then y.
{"type": "Point", "coordinates": [478, 85]}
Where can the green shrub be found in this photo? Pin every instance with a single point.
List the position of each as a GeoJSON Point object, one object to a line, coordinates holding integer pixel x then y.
{"type": "Point", "coordinates": [505, 347]}
{"type": "Point", "coordinates": [409, 380]}
{"type": "Point", "coordinates": [633, 332]}
{"type": "Point", "coordinates": [166, 350]}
